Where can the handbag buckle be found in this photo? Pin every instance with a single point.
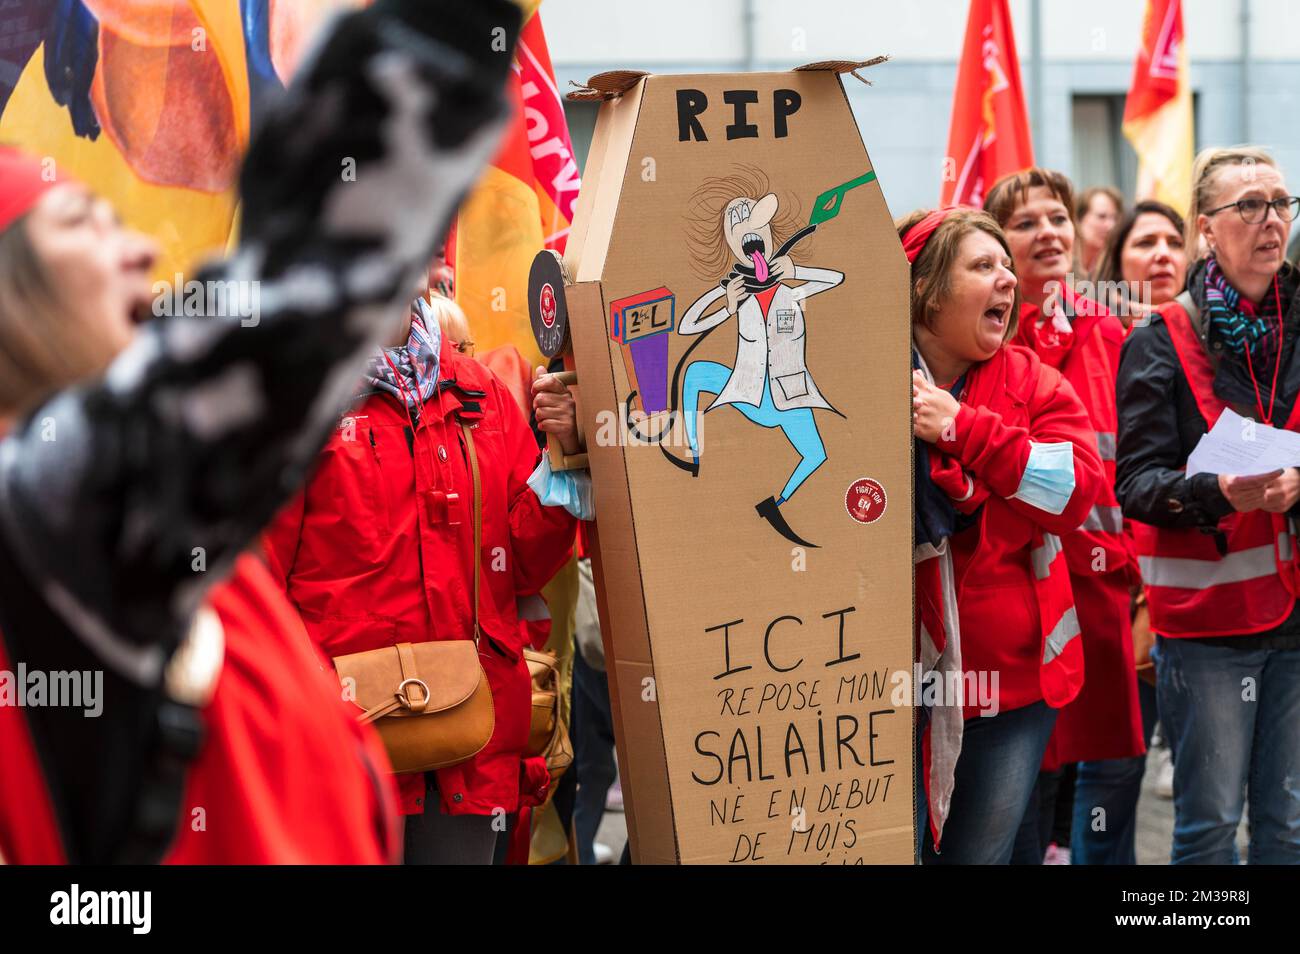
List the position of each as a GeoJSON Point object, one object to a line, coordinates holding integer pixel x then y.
{"type": "Point", "coordinates": [404, 697]}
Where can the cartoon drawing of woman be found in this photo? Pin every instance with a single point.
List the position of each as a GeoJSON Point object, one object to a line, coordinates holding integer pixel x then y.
{"type": "Point", "coordinates": [738, 221]}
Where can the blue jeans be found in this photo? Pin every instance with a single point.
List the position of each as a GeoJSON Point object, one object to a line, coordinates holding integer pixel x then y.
{"type": "Point", "coordinates": [995, 776]}
{"type": "Point", "coordinates": [593, 754]}
{"type": "Point", "coordinates": [1233, 721]}
{"type": "Point", "coordinates": [1104, 828]}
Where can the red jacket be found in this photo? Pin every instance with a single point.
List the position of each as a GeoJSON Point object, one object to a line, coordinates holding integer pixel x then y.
{"type": "Point", "coordinates": [368, 568]}
{"type": "Point", "coordinates": [1105, 721]}
{"type": "Point", "coordinates": [276, 727]}
{"type": "Point", "coordinates": [1009, 401]}
{"type": "Point", "coordinates": [1090, 362]}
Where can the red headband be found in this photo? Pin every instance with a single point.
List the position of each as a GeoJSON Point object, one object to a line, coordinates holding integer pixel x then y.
{"type": "Point", "coordinates": [920, 233]}
{"type": "Point", "coordinates": [22, 183]}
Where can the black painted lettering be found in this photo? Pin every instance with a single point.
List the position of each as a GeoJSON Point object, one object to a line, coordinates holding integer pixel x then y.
{"type": "Point", "coordinates": [690, 103]}
{"type": "Point", "coordinates": [767, 644]}
{"type": "Point", "coordinates": [872, 735]}
{"type": "Point", "coordinates": [791, 733]}
{"type": "Point", "coordinates": [843, 741]}
{"type": "Point", "coordinates": [841, 658]}
{"type": "Point", "coordinates": [726, 648]}
{"type": "Point", "coordinates": [710, 755]}
{"type": "Point", "coordinates": [758, 731]}
{"type": "Point", "coordinates": [738, 99]}
{"type": "Point", "coordinates": [785, 103]}
{"type": "Point", "coordinates": [738, 745]}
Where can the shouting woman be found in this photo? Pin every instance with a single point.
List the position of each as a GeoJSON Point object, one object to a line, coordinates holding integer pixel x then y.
{"type": "Point", "coordinates": [1006, 463]}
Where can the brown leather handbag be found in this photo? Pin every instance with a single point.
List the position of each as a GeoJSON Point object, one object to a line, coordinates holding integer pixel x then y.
{"type": "Point", "coordinates": [546, 691]}
{"type": "Point", "coordinates": [547, 735]}
{"type": "Point", "coordinates": [430, 702]}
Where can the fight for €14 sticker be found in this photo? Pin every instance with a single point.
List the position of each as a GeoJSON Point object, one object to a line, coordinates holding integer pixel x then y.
{"type": "Point", "coordinates": [865, 500]}
{"type": "Point", "coordinates": [547, 305]}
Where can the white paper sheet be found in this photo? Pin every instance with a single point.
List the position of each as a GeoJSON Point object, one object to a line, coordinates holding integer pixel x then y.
{"type": "Point", "coordinates": [1242, 448]}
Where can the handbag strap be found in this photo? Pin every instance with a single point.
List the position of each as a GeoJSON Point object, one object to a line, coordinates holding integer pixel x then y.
{"type": "Point", "coordinates": [406, 659]}
{"type": "Point", "coordinates": [478, 517]}
{"type": "Point", "coordinates": [374, 713]}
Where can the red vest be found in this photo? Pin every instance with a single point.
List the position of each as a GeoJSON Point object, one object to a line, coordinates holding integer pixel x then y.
{"type": "Point", "coordinates": [1192, 589]}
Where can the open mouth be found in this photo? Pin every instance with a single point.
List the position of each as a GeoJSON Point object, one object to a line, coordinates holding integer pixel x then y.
{"type": "Point", "coordinates": [753, 246]}
{"type": "Point", "coordinates": [1048, 253]}
{"type": "Point", "coordinates": [1268, 247]}
{"type": "Point", "coordinates": [998, 314]}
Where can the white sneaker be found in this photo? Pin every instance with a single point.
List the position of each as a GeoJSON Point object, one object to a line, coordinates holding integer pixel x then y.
{"type": "Point", "coordinates": [1164, 773]}
{"type": "Point", "coordinates": [1056, 855]}
{"type": "Point", "coordinates": [604, 854]}
{"type": "Point", "coordinates": [614, 797]}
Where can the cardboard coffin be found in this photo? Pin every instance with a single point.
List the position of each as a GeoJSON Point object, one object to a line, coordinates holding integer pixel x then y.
{"type": "Point", "coordinates": [732, 256]}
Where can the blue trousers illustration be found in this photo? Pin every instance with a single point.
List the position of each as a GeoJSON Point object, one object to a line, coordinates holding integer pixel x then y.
{"type": "Point", "coordinates": [797, 424]}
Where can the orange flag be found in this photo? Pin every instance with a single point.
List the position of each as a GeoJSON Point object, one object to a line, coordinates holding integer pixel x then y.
{"type": "Point", "coordinates": [151, 102]}
{"type": "Point", "coordinates": [1158, 112]}
{"type": "Point", "coordinates": [523, 203]}
{"type": "Point", "coordinates": [989, 136]}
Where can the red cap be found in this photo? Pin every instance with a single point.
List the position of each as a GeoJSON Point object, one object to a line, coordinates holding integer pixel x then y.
{"type": "Point", "coordinates": [22, 183]}
{"type": "Point", "coordinates": [920, 233]}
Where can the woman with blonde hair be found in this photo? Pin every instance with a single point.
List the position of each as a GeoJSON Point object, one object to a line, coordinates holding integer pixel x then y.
{"type": "Point", "coordinates": [1218, 551]}
{"type": "Point", "coordinates": [451, 321]}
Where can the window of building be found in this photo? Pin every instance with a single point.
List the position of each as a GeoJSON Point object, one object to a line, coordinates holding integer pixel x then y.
{"type": "Point", "coordinates": [1101, 154]}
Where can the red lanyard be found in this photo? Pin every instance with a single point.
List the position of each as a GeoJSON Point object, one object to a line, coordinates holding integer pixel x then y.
{"type": "Point", "coordinates": [1259, 398]}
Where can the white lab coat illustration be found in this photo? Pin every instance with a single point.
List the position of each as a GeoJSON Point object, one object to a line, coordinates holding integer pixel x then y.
{"type": "Point", "coordinates": [773, 348]}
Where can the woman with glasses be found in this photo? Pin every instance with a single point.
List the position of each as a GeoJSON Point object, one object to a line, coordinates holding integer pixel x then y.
{"type": "Point", "coordinates": [1218, 551]}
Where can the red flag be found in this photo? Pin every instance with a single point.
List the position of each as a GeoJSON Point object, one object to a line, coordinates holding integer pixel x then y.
{"type": "Point", "coordinates": [989, 136]}
{"type": "Point", "coordinates": [523, 203]}
{"type": "Point", "coordinates": [1158, 112]}
{"type": "Point", "coordinates": [1155, 77]}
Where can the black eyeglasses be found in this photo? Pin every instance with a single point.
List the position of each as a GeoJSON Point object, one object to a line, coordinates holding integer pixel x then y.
{"type": "Point", "coordinates": [1254, 211]}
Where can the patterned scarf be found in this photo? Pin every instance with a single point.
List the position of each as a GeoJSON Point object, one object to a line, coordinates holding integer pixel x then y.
{"type": "Point", "coordinates": [417, 361]}
{"type": "Point", "coordinates": [1235, 321]}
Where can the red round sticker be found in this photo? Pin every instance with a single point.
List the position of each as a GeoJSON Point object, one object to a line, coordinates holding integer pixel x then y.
{"type": "Point", "coordinates": [547, 305]}
{"type": "Point", "coordinates": [865, 500]}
